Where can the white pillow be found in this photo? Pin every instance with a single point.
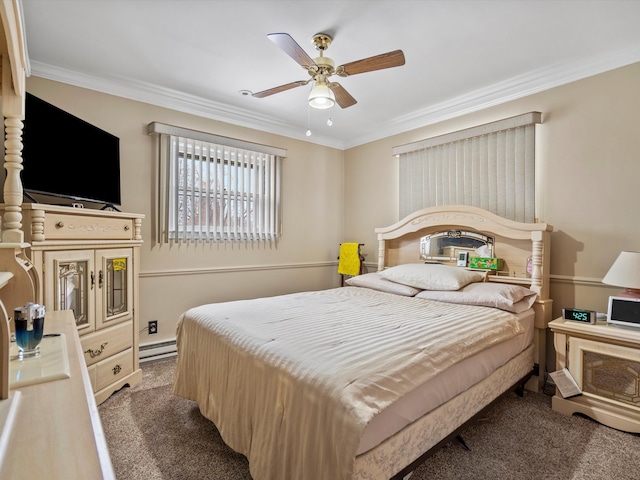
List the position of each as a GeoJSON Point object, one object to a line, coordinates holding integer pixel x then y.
{"type": "Point", "coordinates": [376, 282]}
{"type": "Point", "coordinates": [429, 276]}
{"type": "Point", "coordinates": [512, 298]}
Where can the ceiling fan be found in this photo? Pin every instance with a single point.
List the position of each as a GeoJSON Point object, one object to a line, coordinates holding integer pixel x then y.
{"type": "Point", "coordinates": [326, 93]}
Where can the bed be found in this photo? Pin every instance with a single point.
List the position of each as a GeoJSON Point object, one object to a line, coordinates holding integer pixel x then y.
{"type": "Point", "coordinates": [363, 381]}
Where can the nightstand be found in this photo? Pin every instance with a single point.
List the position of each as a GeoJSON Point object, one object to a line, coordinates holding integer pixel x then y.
{"type": "Point", "coordinates": [605, 362]}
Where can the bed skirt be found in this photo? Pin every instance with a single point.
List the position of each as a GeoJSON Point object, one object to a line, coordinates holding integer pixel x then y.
{"type": "Point", "coordinates": [390, 457]}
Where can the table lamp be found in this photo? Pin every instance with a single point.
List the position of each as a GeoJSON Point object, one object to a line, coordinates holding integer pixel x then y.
{"type": "Point", "coordinates": [625, 272]}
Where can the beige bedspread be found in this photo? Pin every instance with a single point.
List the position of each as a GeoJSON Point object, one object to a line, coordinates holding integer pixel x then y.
{"type": "Point", "coordinates": [292, 381]}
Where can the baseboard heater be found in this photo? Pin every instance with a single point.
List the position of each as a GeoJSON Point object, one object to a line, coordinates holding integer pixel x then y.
{"type": "Point", "coordinates": [157, 350]}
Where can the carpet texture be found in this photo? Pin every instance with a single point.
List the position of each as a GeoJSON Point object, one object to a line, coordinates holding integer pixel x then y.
{"type": "Point", "coordinates": [152, 434]}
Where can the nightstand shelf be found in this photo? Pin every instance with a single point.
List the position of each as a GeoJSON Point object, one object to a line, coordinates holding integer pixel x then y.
{"type": "Point", "coordinates": [605, 362]}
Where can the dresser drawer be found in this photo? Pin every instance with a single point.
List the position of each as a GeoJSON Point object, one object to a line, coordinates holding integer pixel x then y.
{"type": "Point", "coordinates": [113, 369]}
{"type": "Point", "coordinates": [104, 343]}
{"type": "Point", "coordinates": [59, 226]}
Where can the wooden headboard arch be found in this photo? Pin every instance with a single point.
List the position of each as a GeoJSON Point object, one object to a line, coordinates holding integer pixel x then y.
{"type": "Point", "coordinates": [436, 219]}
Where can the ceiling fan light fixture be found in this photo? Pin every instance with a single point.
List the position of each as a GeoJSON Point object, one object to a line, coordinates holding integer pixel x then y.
{"type": "Point", "coordinates": [324, 92]}
{"type": "Point", "coordinates": [321, 96]}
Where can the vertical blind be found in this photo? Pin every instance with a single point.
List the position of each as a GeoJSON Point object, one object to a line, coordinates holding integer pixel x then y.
{"type": "Point", "coordinates": [491, 166]}
{"type": "Point", "coordinates": [217, 192]}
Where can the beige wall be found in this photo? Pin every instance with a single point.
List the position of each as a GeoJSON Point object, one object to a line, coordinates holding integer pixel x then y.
{"type": "Point", "coordinates": [589, 151]}
{"type": "Point", "coordinates": [174, 278]}
{"type": "Point", "coordinates": [589, 171]}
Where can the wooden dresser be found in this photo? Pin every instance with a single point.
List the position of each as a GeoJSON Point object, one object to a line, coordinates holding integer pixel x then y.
{"type": "Point", "coordinates": [88, 261]}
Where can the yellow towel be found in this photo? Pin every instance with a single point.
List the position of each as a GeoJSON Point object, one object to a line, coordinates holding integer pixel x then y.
{"type": "Point", "coordinates": [349, 262]}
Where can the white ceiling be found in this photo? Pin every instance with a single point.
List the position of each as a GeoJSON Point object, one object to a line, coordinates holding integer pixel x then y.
{"type": "Point", "coordinates": [196, 56]}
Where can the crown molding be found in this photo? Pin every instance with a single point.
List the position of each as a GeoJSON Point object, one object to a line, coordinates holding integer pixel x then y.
{"type": "Point", "coordinates": [516, 87]}
{"type": "Point", "coordinates": [178, 101]}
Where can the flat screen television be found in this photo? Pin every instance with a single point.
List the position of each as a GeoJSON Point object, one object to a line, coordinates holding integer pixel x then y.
{"type": "Point", "coordinates": [64, 156]}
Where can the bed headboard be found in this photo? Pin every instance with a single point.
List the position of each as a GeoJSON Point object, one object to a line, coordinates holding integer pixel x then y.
{"type": "Point", "coordinates": [514, 242]}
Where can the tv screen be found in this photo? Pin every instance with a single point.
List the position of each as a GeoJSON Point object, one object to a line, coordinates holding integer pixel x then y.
{"type": "Point", "coordinates": [64, 156]}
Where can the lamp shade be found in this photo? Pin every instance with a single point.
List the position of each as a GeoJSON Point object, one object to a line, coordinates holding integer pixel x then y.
{"type": "Point", "coordinates": [625, 272]}
{"type": "Point", "coordinates": [321, 96]}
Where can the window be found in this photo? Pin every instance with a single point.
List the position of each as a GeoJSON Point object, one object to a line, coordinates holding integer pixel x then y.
{"type": "Point", "coordinates": [215, 189]}
{"type": "Point", "coordinates": [491, 166]}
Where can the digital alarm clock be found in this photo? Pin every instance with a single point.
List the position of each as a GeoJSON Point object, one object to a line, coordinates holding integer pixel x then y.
{"type": "Point", "coordinates": [578, 315]}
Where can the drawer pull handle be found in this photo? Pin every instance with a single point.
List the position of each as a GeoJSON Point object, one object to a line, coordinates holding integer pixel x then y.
{"type": "Point", "coordinates": [94, 353]}
{"type": "Point", "coordinates": [126, 228]}
{"type": "Point", "coordinates": [117, 369]}
{"type": "Point", "coordinates": [59, 224]}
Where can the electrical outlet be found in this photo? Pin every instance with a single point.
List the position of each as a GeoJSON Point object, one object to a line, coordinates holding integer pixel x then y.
{"type": "Point", "coordinates": [153, 327]}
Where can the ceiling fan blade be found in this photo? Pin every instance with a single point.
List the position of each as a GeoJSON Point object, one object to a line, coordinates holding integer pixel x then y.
{"type": "Point", "coordinates": [343, 98]}
{"type": "Point", "coordinates": [291, 48]}
{"type": "Point", "coordinates": [281, 88]}
{"type": "Point", "coordinates": [378, 62]}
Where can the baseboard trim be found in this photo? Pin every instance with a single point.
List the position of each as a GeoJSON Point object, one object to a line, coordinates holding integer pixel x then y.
{"type": "Point", "coordinates": [158, 350]}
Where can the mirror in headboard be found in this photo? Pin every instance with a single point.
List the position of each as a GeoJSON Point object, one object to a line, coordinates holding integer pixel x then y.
{"type": "Point", "coordinates": [444, 246]}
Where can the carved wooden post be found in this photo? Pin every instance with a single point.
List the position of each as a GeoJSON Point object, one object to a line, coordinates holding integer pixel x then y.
{"type": "Point", "coordinates": [12, 221]}
{"type": "Point", "coordinates": [137, 229]}
{"type": "Point", "coordinates": [37, 225]}
{"type": "Point", "coordinates": [381, 250]}
{"type": "Point", "coordinates": [13, 111]}
{"type": "Point", "coordinates": [536, 261]}
{"type": "Point", "coordinates": [13, 78]}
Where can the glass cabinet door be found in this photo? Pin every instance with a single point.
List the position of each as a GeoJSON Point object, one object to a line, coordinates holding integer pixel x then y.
{"type": "Point", "coordinates": [97, 285]}
{"type": "Point", "coordinates": [73, 278]}
{"type": "Point", "coordinates": [115, 289]}
{"type": "Point", "coordinates": [116, 286]}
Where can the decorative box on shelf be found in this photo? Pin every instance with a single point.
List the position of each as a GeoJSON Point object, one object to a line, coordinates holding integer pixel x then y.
{"type": "Point", "coordinates": [486, 263]}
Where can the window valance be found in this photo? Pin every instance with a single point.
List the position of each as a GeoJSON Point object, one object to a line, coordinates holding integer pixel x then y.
{"type": "Point", "coordinates": [490, 166]}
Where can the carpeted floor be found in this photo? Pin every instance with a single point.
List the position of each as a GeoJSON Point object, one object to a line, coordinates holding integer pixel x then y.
{"type": "Point", "coordinates": [154, 435]}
